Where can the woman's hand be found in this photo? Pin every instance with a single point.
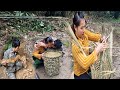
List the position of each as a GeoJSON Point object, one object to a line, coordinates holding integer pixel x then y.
{"type": "Point", "coordinates": [101, 47]}
{"type": "Point", "coordinates": [40, 44]}
{"type": "Point", "coordinates": [42, 56]}
{"type": "Point", "coordinates": [36, 46]}
{"type": "Point", "coordinates": [103, 39]}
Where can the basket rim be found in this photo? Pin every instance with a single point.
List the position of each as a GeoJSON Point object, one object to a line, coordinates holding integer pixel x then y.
{"type": "Point", "coordinates": [52, 51]}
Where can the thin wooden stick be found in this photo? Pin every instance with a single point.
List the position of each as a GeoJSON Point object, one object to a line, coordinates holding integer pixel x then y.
{"type": "Point", "coordinates": [111, 43]}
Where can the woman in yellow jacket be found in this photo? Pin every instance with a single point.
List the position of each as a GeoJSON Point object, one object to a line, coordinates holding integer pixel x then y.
{"type": "Point", "coordinates": [39, 49]}
{"type": "Point", "coordinates": [43, 45]}
{"type": "Point", "coordinates": [82, 63]}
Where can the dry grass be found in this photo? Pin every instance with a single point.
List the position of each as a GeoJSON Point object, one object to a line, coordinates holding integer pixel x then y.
{"type": "Point", "coordinates": [102, 69]}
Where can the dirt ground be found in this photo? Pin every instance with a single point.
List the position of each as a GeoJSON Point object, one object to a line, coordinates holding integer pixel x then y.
{"type": "Point", "coordinates": [66, 62]}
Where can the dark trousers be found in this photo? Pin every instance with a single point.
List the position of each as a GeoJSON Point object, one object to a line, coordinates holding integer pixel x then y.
{"type": "Point", "coordinates": [38, 62]}
{"type": "Point", "coordinates": [83, 76]}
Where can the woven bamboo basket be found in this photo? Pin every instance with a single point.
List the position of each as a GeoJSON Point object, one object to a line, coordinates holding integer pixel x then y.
{"type": "Point", "coordinates": [52, 62]}
{"type": "Point", "coordinates": [102, 68]}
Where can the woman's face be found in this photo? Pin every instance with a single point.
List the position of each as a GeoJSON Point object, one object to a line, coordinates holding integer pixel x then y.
{"type": "Point", "coordinates": [79, 30]}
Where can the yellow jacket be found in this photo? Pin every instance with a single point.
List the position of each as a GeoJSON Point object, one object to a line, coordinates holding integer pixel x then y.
{"type": "Point", "coordinates": [38, 53]}
{"type": "Point", "coordinates": [82, 63]}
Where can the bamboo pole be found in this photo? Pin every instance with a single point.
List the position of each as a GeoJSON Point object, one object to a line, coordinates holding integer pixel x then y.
{"type": "Point", "coordinates": [33, 17]}
{"type": "Point", "coordinates": [111, 43]}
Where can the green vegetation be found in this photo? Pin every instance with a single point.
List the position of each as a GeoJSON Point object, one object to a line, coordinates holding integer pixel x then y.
{"type": "Point", "coordinates": [34, 24]}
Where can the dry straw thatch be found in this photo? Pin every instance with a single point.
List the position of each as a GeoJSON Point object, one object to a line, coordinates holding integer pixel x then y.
{"type": "Point", "coordinates": [102, 68]}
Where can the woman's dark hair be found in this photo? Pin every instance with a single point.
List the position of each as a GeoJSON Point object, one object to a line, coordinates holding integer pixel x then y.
{"type": "Point", "coordinates": [58, 44]}
{"type": "Point", "coordinates": [76, 19]}
{"type": "Point", "coordinates": [48, 40]}
{"type": "Point", "coordinates": [15, 43]}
